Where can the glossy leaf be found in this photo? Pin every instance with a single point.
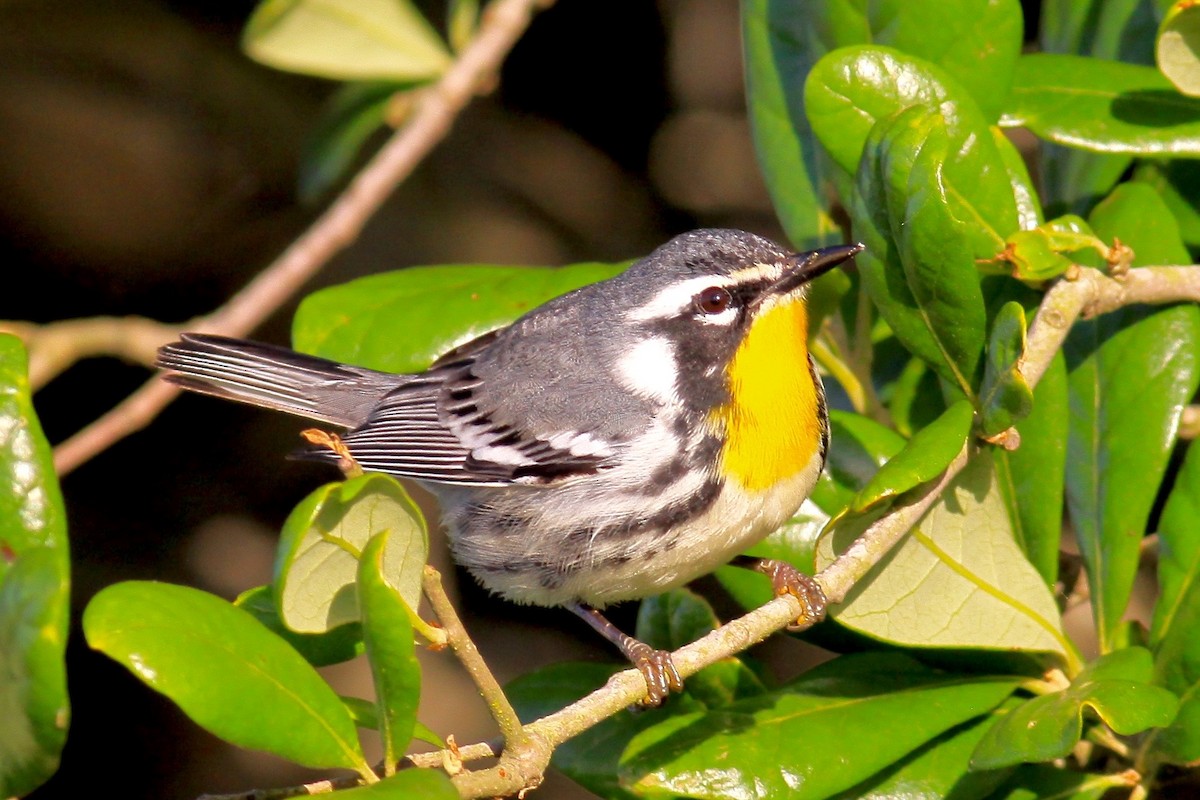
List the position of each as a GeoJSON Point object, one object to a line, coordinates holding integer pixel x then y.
{"type": "Point", "coordinates": [1029, 207]}
{"type": "Point", "coordinates": [323, 538]}
{"type": "Point", "coordinates": [925, 456]}
{"type": "Point", "coordinates": [402, 321]}
{"type": "Point", "coordinates": [33, 614]}
{"type": "Point", "coordinates": [888, 705]}
{"type": "Point", "coordinates": [346, 39]}
{"type": "Point", "coordinates": [350, 118]}
{"type": "Point", "coordinates": [1116, 687]}
{"type": "Point", "coordinates": [388, 635]}
{"type": "Point", "coordinates": [1006, 398]}
{"type": "Point", "coordinates": [225, 670]}
{"type": "Point", "coordinates": [1130, 374]}
{"type": "Point", "coordinates": [1118, 30]}
{"type": "Point", "coordinates": [938, 769]}
{"type": "Point", "coordinates": [1177, 46]}
{"type": "Point", "coordinates": [853, 88]}
{"type": "Point", "coordinates": [1031, 477]}
{"type": "Point", "coordinates": [1177, 612]}
{"type": "Point", "coordinates": [669, 621]}
{"type": "Point", "coordinates": [919, 266]}
{"type": "Point", "coordinates": [1178, 183]}
{"type": "Point", "coordinates": [1103, 106]}
{"type": "Point", "coordinates": [780, 48]}
{"type": "Point", "coordinates": [957, 580]}
{"type": "Point", "coordinates": [408, 784]}
{"type": "Point", "coordinates": [590, 758]}
{"type": "Point", "coordinates": [34, 588]}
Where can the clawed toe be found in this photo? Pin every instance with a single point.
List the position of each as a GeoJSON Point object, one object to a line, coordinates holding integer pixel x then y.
{"type": "Point", "coordinates": [659, 671]}
{"type": "Point", "coordinates": [786, 579]}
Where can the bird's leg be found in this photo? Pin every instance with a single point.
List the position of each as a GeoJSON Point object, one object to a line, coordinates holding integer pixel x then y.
{"type": "Point", "coordinates": [786, 579]}
{"type": "Point", "coordinates": [655, 665]}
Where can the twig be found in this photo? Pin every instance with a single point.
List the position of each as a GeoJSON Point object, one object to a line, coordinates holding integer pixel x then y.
{"type": "Point", "coordinates": [472, 72]}
{"type": "Point", "coordinates": [55, 346]}
{"type": "Point", "coordinates": [523, 762]}
{"type": "Point", "coordinates": [503, 712]}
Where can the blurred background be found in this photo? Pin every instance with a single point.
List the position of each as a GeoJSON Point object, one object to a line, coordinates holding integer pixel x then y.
{"type": "Point", "coordinates": [148, 168]}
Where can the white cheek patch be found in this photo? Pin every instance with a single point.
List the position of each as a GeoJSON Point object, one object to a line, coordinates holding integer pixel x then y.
{"type": "Point", "coordinates": [649, 369]}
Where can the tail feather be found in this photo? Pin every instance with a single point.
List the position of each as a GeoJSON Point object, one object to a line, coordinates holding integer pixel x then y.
{"type": "Point", "coordinates": [274, 377]}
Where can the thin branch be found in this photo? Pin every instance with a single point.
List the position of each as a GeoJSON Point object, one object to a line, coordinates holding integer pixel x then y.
{"type": "Point", "coordinates": [472, 72]}
{"type": "Point", "coordinates": [523, 763]}
{"type": "Point", "coordinates": [502, 711]}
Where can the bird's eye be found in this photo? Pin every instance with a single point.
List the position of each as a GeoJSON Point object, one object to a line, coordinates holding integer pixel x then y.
{"type": "Point", "coordinates": [714, 300]}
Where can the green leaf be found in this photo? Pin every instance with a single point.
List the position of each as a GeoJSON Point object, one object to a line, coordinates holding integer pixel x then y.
{"type": "Point", "coordinates": [925, 457]}
{"type": "Point", "coordinates": [1006, 398]}
{"type": "Point", "coordinates": [780, 49]}
{"type": "Point", "coordinates": [957, 580]}
{"type": "Point", "coordinates": [34, 588]}
{"type": "Point", "coordinates": [33, 694]}
{"type": "Point", "coordinates": [350, 117]}
{"type": "Point", "coordinates": [916, 398]}
{"type": "Point", "coordinates": [317, 563]}
{"type": "Point", "coordinates": [1115, 686]}
{"type": "Point", "coordinates": [1103, 106]}
{"type": "Point", "coordinates": [669, 621]}
{"type": "Point", "coordinates": [1178, 41]}
{"type": "Point", "coordinates": [346, 39]}
{"type": "Point", "coordinates": [408, 784]}
{"type": "Point", "coordinates": [231, 675]}
{"type": "Point", "coordinates": [938, 769]}
{"type": "Point", "coordinates": [1130, 374]}
{"type": "Point", "coordinates": [388, 634]}
{"type": "Point", "coordinates": [1118, 30]}
{"type": "Point", "coordinates": [887, 705]}
{"type": "Point", "coordinates": [919, 266]}
{"type": "Point", "coordinates": [1029, 207]}
{"type": "Point", "coordinates": [1178, 183]}
{"type": "Point", "coordinates": [1031, 477]}
{"type": "Point", "coordinates": [1037, 255]}
{"type": "Point", "coordinates": [462, 20]}
{"type": "Point", "coordinates": [319, 649]}
{"type": "Point", "coordinates": [1045, 782]}
{"type": "Point", "coordinates": [978, 40]}
{"type": "Point", "coordinates": [402, 321]}
{"type": "Point", "coordinates": [1177, 612]}
{"type": "Point", "coordinates": [590, 758]}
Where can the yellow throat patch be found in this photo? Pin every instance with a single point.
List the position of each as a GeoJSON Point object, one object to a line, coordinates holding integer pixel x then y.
{"type": "Point", "coordinates": [771, 426]}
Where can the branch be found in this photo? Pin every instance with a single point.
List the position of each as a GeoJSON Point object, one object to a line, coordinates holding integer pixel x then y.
{"type": "Point", "coordinates": [474, 71]}
{"type": "Point", "coordinates": [1087, 293]}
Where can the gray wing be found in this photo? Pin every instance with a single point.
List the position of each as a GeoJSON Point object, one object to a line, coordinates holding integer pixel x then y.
{"type": "Point", "coordinates": [440, 427]}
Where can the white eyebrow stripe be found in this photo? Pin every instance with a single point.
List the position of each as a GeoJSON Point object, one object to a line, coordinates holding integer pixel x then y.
{"type": "Point", "coordinates": [670, 300]}
{"type": "Point", "coordinates": [678, 296]}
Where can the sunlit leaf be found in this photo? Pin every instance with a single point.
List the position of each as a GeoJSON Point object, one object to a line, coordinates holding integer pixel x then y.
{"type": "Point", "coordinates": [346, 39]}
{"type": "Point", "coordinates": [317, 564]}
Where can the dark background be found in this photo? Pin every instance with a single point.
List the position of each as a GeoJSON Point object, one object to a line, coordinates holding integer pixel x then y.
{"type": "Point", "coordinates": [148, 168]}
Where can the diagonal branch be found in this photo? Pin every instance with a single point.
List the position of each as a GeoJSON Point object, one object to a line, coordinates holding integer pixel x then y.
{"type": "Point", "coordinates": [1087, 293]}
{"type": "Point", "coordinates": [473, 72]}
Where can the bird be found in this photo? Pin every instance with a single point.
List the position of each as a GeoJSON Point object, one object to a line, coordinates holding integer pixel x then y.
{"type": "Point", "coordinates": [611, 444]}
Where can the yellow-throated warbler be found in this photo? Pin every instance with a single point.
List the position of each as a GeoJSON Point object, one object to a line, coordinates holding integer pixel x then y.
{"type": "Point", "coordinates": [616, 442]}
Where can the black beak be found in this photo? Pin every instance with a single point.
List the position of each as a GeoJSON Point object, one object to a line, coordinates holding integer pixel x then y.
{"type": "Point", "coordinates": [804, 267]}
